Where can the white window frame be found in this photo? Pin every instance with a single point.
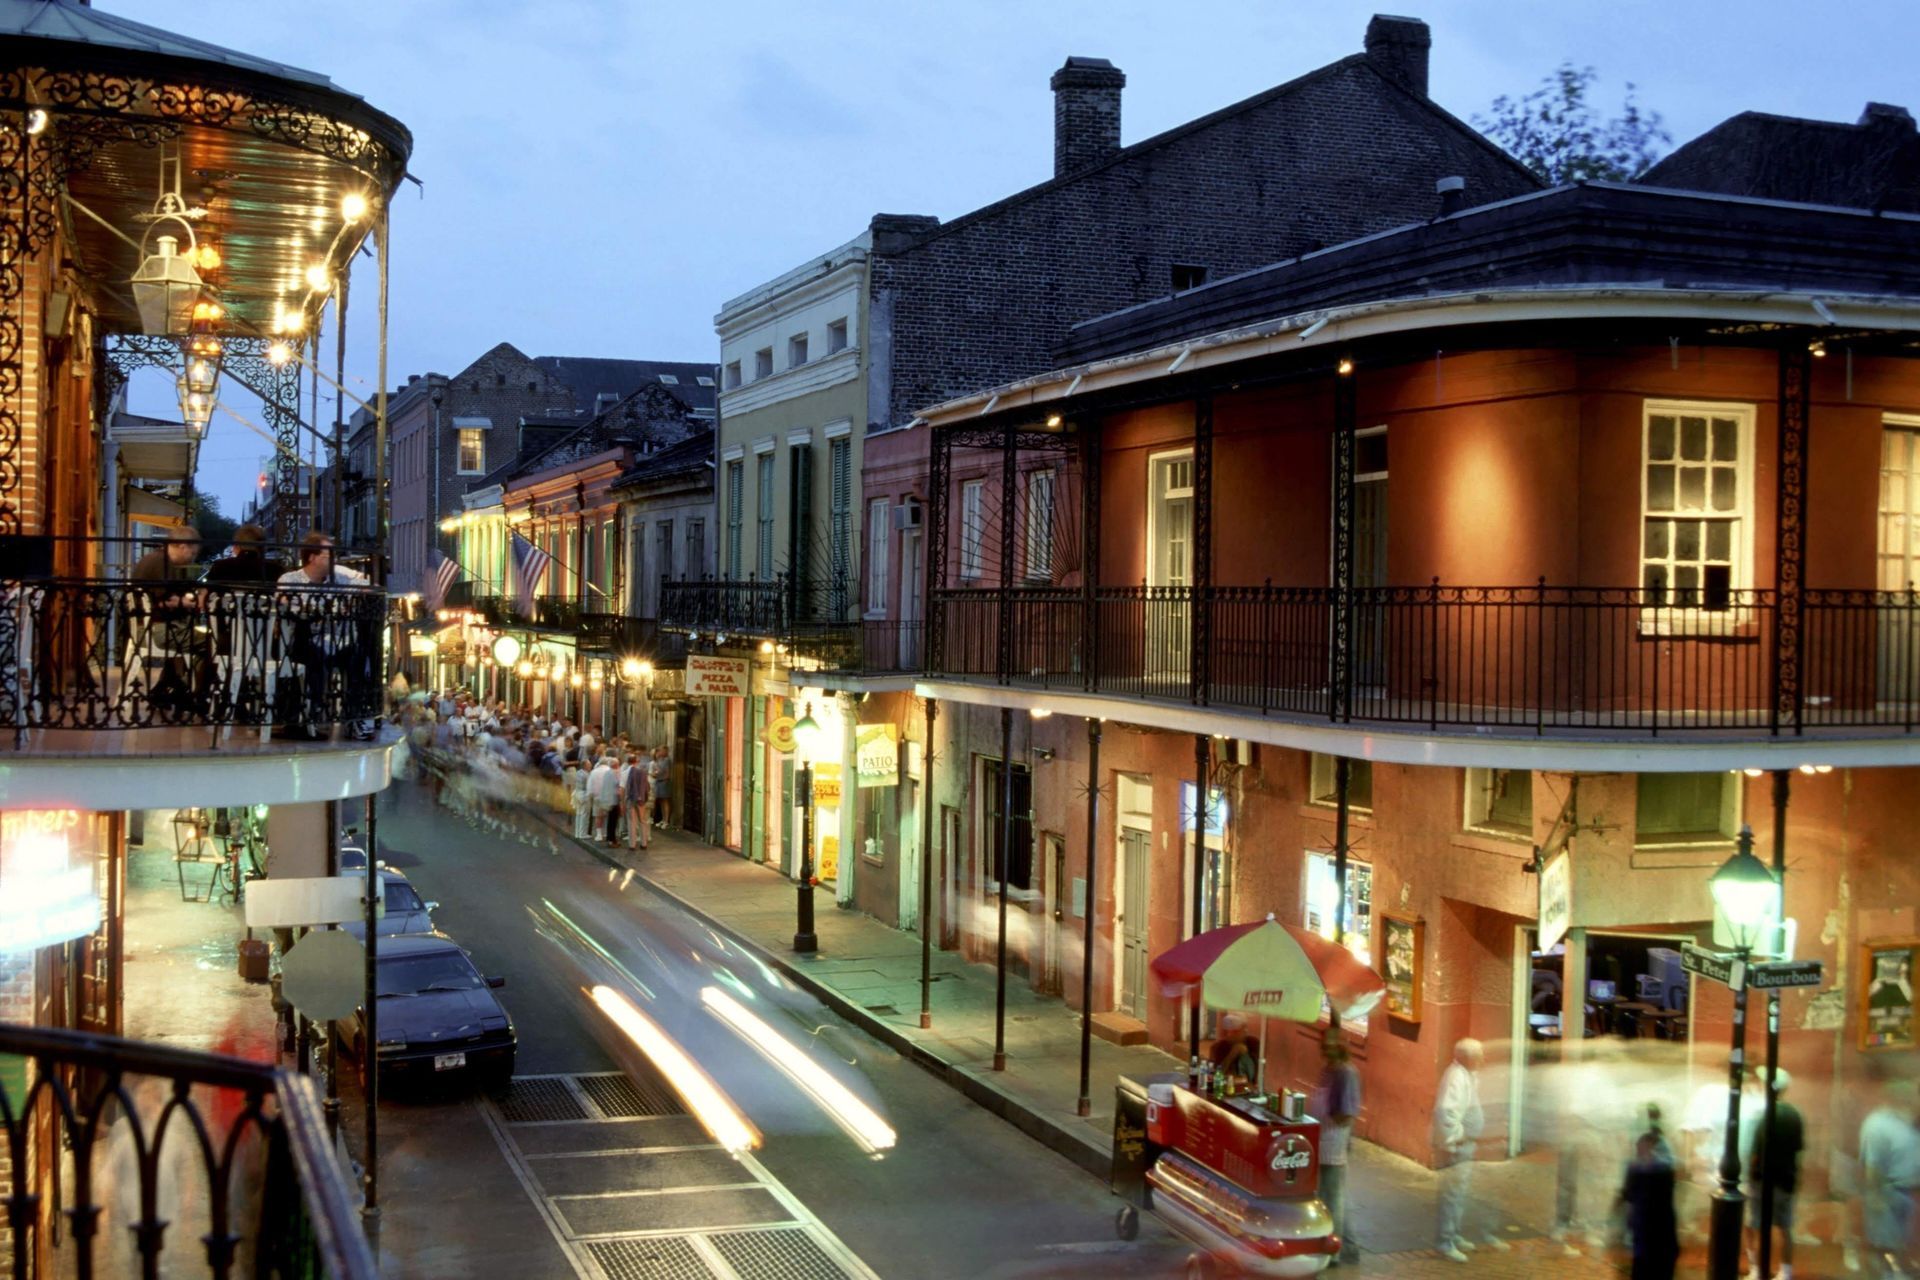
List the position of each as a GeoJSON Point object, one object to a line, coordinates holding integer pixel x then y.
{"type": "Point", "coordinates": [973, 528]}
{"type": "Point", "coordinates": [1673, 619]}
{"type": "Point", "coordinates": [766, 493]}
{"type": "Point", "coordinates": [736, 515]}
{"type": "Point", "coordinates": [797, 346]}
{"type": "Point", "coordinates": [878, 533]}
{"type": "Point", "coordinates": [479, 438]}
{"type": "Point", "coordinates": [1038, 551]}
{"type": "Point", "coordinates": [839, 335]}
{"type": "Point", "coordinates": [1732, 802]}
{"type": "Point", "coordinates": [1323, 787]}
{"type": "Point", "coordinates": [1476, 814]}
{"type": "Point", "coordinates": [669, 380]}
{"type": "Point", "coordinates": [1319, 865]}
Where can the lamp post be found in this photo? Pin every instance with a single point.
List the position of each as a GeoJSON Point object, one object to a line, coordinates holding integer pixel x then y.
{"type": "Point", "coordinates": [806, 740]}
{"type": "Point", "coordinates": [1747, 897]}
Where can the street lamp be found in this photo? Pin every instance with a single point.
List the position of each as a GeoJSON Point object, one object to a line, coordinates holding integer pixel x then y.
{"type": "Point", "coordinates": [1747, 896]}
{"type": "Point", "coordinates": [806, 740]}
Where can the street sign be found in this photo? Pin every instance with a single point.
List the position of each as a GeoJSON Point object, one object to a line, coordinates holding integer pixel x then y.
{"type": "Point", "coordinates": [1784, 973]}
{"type": "Point", "coordinates": [324, 975]}
{"type": "Point", "coordinates": [1709, 964]}
{"type": "Point", "coordinates": [306, 900]}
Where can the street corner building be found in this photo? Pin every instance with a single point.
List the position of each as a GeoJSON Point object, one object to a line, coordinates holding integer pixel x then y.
{"type": "Point", "coordinates": [181, 212]}
{"type": "Point", "coordinates": [1357, 532]}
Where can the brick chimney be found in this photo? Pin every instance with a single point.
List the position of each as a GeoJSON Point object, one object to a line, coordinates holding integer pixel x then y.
{"type": "Point", "coordinates": [1086, 113]}
{"type": "Point", "coordinates": [1397, 47]}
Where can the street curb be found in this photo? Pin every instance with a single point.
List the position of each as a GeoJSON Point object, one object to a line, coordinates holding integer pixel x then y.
{"type": "Point", "coordinates": [1079, 1148]}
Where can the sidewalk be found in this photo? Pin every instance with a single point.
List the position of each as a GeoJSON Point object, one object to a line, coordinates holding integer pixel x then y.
{"type": "Point", "coordinates": [869, 973]}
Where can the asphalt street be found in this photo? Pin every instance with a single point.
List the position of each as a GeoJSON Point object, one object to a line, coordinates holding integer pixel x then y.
{"type": "Point", "coordinates": [590, 1165]}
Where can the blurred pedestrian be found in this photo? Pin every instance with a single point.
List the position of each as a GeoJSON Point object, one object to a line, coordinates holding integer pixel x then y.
{"type": "Point", "coordinates": [603, 790]}
{"type": "Point", "coordinates": [1647, 1194]}
{"type": "Point", "coordinates": [1774, 1168]}
{"type": "Point", "coordinates": [1458, 1121]}
{"type": "Point", "coordinates": [637, 796]}
{"type": "Point", "coordinates": [660, 778]}
{"type": "Point", "coordinates": [1337, 1103]}
{"type": "Point", "coordinates": [1890, 1175]}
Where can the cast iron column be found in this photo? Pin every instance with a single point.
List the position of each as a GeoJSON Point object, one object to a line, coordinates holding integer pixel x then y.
{"type": "Point", "coordinates": [1200, 606]}
{"type": "Point", "coordinates": [1007, 460]}
{"type": "Point", "coordinates": [1086, 954]}
{"type": "Point", "coordinates": [1006, 857]}
{"type": "Point", "coordinates": [370, 1046]}
{"type": "Point", "coordinates": [1342, 784]}
{"type": "Point", "coordinates": [1729, 1204]}
{"type": "Point", "coordinates": [1089, 561]}
{"type": "Point", "coordinates": [1782, 785]}
{"type": "Point", "coordinates": [1340, 673]}
{"type": "Point", "coordinates": [1202, 757]}
{"type": "Point", "coordinates": [939, 462]}
{"type": "Point", "coordinates": [929, 813]}
{"type": "Point", "coordinates": [804, 938]}
{"type": "Point", "coordinates": [1790, 534]}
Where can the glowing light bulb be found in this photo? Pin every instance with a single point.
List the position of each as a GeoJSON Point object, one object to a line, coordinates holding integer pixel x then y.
{"type": "Point", "coordinates": [317, 278]}
{"type": "Point", "coordinates": [279, 353]}
{"type": "Point", "coordinates": [353, 206]}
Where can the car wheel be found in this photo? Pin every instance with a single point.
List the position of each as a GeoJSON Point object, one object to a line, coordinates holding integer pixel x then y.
{"type": "Point", "coordinates": [498, 1079]}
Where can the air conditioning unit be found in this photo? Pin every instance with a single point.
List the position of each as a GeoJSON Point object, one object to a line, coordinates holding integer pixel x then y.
{"type": "Point", "coordinates": [908, 515]}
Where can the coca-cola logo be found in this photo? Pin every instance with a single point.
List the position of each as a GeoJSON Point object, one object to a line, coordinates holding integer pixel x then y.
{"type": "Point", "coordinates": [1291, 1155]}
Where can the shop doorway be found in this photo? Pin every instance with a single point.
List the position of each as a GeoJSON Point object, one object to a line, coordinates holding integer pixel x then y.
{"type": "Point", "coordinates": [912, 589]}
{"type": "Point", "coordinates": [949, 877]}
{"type": "Point", "coordinates": [689, 798]}
{"type": "Point", "coordinates": [1899, 678]}
{"type": "Point", "coordinates": [1132, 891]}
{"type": "Point", "coordinates": [1169, 562]}
{"type": "Point", "coordinates": [1053, 867]}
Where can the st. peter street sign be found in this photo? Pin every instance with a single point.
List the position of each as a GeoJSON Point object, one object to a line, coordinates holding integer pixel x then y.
{"type": "Point", "coordinates": [1765, 976]}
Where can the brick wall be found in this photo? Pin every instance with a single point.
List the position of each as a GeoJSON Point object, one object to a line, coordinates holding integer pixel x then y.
{"type": "Point", "coordinates": [1340, 153]}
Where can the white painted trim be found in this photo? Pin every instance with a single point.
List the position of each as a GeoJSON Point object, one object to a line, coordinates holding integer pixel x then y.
{"type": "Point", "coordinates": [765, 444]}
{"type": "Point", "coordinates": [800, 437]}
{"type": "Point", "coordinates": [466, 420]}
{"type": "Point", "coordinates": [1388, 745]}
{"type": "Point", "coordinates": [1677, 621]}
{"type": "Point", "coordinates": [841, 367]}
{"type": "Point", "coordinates": [733, 453]}
{"type": "Point", "coordinates": [214, 779]}
{"type": "Point", "coordinates": [837, 430]}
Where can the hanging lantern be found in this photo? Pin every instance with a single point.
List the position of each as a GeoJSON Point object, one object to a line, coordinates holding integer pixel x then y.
{"type": "Point", "coordinates": [166, 285]}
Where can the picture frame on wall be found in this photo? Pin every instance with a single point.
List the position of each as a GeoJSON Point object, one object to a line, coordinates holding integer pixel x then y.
{"type": "Point", "coordinates": [1887, 967]}
{"type": "Point", "coordinates": [1403, 966]}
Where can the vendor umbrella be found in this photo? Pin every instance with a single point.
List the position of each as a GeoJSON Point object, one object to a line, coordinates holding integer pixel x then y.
{"type": "Point", "coordinates": [1270, 969]}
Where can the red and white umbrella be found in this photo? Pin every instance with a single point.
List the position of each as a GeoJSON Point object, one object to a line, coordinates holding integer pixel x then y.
{"type": "Point", "coordinates": [1269, 969]}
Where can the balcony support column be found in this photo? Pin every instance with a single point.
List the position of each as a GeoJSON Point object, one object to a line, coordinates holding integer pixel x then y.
{"type": "Point", "coordinates": [1200, 611]}
{"type": "Point", "coordinates": [1089, 566]}
{"type": "Point", "coordinates": [1202, 759]}
{"type": "Point", "coordinates": [1000, 873]}
{"type": "Point", "coordinates": [939, 469]}
{"type": "Point", "coordinates": [929, 812]}
{"type": "Point", "coordinates": [1340, 658]}
{"type": "Point", "coordinates": [1085, 1106]}
{"type": "Point", "coordinates": [1008, 461]}
{"type": "Point", "coordinates": [1790, 533]}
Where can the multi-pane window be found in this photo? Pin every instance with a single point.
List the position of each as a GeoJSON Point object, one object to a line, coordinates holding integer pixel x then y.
{"type": "Point", "coordinates": [1019, 854]}
{"type": "Point", "coordinates": [1696, 487]}
{"type": "Point", "coordinates": [1323, 902]}
{"type": "Point", "coordinates": [763, 557]}
{"type": "Point", "coordinates": [973, 528]}
{"type": "Point", "coordinates": [836, 336]}
{"type": "Point", "coordinates": [840, 511]}
{"type": "Point", "coordinates": [1323, 784]}
{"type": "Point", "coordinates": [1686, 808]}
{"type": "Point", "coordinates": [736, 500]}
{"type": "Point", "coordinates": [473, 450]}
{"type": "Point", "coordinates": [1040, 526]}
{"type": "Point", "coordinates": [663, 555]}
{"type": "Point", "coordinates": [877, 534]}
{"type": "Point", "coordinates": [1500, 801]}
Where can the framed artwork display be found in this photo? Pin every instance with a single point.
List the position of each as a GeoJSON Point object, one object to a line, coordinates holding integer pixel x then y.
{"type": "Point", "coordinates": [1403, 941]}
{"type": "Point", "coordinates": [1886, 993]}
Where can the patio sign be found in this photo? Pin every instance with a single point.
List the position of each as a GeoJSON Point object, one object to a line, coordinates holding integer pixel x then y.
{"type": "Point", "coordinates": [1886, 1001]}
{"type": "Point", "coordinates": [877, 754]}
{"type": "Point", "coordinates": [711, 677]}
{"type": "Point", "coordinates": [44, 897]}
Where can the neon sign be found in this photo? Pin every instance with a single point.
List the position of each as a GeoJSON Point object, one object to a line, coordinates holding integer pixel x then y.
{"type": "Point", "coordinates": [44, 899]}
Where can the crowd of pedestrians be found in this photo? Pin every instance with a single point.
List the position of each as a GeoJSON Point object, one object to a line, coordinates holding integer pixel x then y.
{"type": "Point", "coordinates": [479, 756]}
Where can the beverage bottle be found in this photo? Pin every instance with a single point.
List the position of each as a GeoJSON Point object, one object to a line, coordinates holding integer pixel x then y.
{"type": "Point", "coordinates": [1193, 1072]}
{"type": "Point", "coordinates": [1206, 1078]}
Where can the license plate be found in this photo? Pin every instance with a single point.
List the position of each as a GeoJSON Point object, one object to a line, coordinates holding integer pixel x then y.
{"type": "Point", "coordinates": [448, 1061]}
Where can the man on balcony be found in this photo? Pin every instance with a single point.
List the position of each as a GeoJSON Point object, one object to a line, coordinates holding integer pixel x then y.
{"type": "Point", "coordinates": [163, 635]}
{"type": "Point", "coordinates": [325, 640]}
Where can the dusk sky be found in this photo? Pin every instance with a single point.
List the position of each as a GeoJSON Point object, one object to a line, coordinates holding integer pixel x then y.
{"type": "Point", "coordinates": [600, 176]}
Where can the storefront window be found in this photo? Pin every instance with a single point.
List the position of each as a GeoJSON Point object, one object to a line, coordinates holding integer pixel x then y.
{"type": "Point", "coordinates": [879, 822]}
{"type": "Point", "coordinates": [1325, 788]}
{"type": "Point", "coordinates": [1500, 801]}
{"type": "Point", "coordinates": [1020, 858]}
{"type": "Point", "coordinates": [1323, 900]}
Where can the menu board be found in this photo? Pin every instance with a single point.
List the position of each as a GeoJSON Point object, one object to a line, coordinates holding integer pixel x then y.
{"type": "Point", "coordinates": [1402, 945]}
{"type": "Point", "coordinates": [1886, 999]}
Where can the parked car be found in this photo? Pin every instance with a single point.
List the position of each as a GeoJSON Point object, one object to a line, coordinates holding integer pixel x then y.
{"type": "Point", "coordinates": [405, 911]}
{"type": "Point", "coordinates": [438, 1015]}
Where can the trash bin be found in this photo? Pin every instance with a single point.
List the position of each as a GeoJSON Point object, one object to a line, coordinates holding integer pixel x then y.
{"type": "Point", "coordinates": [1133, 1152]}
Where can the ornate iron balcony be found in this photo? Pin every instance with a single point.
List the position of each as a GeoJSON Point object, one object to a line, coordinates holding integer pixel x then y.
{"type": "Point", "coordinates": [781, 609]}
{"type": "Point", "coordinates": [244, 1179]}
{"type": "Point", "coordinates": [114, 655]}
{"type": "Point", "coordinates": [1539, 659]}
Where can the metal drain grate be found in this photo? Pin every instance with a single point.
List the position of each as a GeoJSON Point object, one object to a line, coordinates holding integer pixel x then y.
{"type": "Point", "coordinates": [649, 1258]}
{"type": "Point", "coordinates": [540, 1098]}
{"type": "Point", "coordinates": [622, 1096]}
{"type": "Point", "coordinates": [786, 1254]}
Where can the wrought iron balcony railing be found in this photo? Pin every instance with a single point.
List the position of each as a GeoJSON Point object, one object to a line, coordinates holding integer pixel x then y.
{"type": "Point", "coordinates": [1538, 659]}
{"type": "Point", "coordinates": [615, 635]}
{"type": "Point", "coordinates": [549, 613]}
{"type": "Point", "coordinates": [92, 655]}
{"type": "Point", "coordinates": [888, 646]}
{"type": "Point", "coordinates": [778, 609]}
{"type": "Point", "coordinates": [170, 1162]}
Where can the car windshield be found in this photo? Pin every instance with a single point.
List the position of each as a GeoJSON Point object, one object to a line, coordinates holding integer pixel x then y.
{"type": "Point", "coordinates": [437, 971]}
{"type": "Point", "coordinates": [401, 897]}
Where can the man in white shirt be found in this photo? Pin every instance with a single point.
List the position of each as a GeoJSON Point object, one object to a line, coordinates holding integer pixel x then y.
{"type": "Point", "coordinates": [603, 792]}
{"type": "Point", "coordinates": [1457, 1124]}
{"type": "Point", "coordinates": [1890, 1174]}
{"type": "Point", "coordinates": [327, 639]}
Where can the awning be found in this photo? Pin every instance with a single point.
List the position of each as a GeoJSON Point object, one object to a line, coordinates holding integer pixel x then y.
{"type": "Point", "coordinates": [150, 508]}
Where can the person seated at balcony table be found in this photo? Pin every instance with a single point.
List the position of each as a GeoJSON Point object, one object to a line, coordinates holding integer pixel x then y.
{"type": "Point", "coordinates": [246, 562]}
{"type": "Point", "coordinates": [320, 644]}
{"type": "Point", "coordinates": [168, 640]}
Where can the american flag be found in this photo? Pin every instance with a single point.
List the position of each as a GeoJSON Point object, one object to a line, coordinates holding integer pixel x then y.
{"type": "Point", "coordinates": [446, 572]}
{"type": "Point", "coordinates": [526, 568]}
